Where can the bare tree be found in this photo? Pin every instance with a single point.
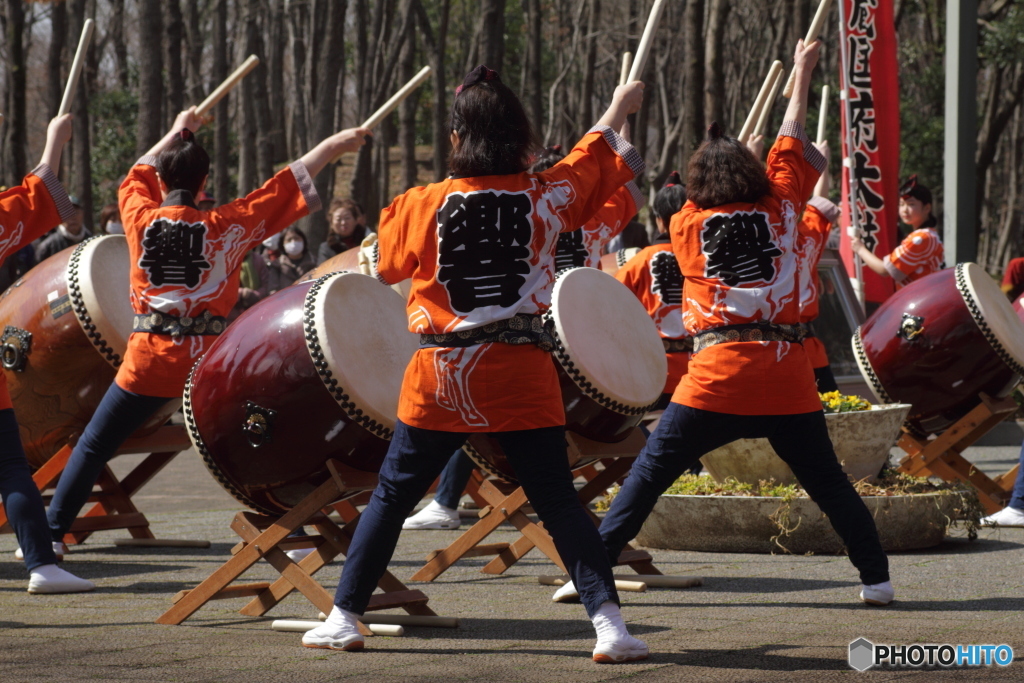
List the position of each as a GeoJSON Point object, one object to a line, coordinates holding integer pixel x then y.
{"type": "Point", "coordinates": [714, 74]}
{"type": "Point", "coordinates": [174, 30]}
{"type": "Point", "coordinates": [492, 33]}
{"type": "Point", "coordinates": [81, 178]}
{"type": "Point", "coordinates": [55, 58]}
{"type": "Point", "coordinates": [220, 132]}
{"type": "Point", "coordinates": [14, 162]}
{"type": "Point", "coordinates": [117, 38]}
{"type": "Point", "coordinates": [151, 81]}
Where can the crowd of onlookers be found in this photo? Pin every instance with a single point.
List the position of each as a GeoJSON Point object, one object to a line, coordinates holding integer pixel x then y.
{"type": "Point", "coordinates": [277, 263]}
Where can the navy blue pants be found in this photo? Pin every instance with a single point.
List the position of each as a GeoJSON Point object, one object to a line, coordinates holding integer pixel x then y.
{"type": "Point", "coordinates": [119, 414]}
{"type": "Point", "coordinates": [684, 434]}
{"type": "Point", "coordinates": [454, 478]}
{"type": "Point", "coordinates": [415, 458]}
{"type": "Point", "coordinates": [1017, 501]}
{"type": "Point", "coordinates": [22, 501]}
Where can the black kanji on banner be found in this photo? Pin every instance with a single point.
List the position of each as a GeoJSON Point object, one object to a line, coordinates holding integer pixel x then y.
{"type": "Point", "coordinates": [666, 278]}
{"type": "Point", "coordinates": [739, 248]}
{"type": "Point", "coordinates": [483, 247]}
{"type": "Point", "coordinates": [173, 253]}
{"type": "Point", "coordinates": [570, 252]}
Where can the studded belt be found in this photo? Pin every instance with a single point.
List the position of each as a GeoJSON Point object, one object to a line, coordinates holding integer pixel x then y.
{"type": "Point", "coordinates": [164, 323]}
{"type": "Point", "coordinates": [680, 345]}
{"type": "Point", "coordinates": [750, 332]}
{"type": "Point", "coordinates": [519, 330]}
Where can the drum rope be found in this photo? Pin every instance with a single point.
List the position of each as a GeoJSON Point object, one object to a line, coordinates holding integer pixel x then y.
{"type": "Point", "coordinates": [865, 365]}
{"type": "Point", "coordinates": [81, 312]}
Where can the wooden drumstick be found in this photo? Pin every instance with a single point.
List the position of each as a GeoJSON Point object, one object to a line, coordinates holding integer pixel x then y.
{"type": "Point", "coordinates": [762, 95]}
{"type": "Point", "coordinates": [296, 626]}
{"type": "Point", "coordinates": [396, 99]}
{"type": "Point", "coordinates": [405, 620]}
{"type": "Point", "coordinates": [627, 61]}
{"type": "Point", "coordinates": [823, 113]}
{"type": "Point", "coordinates": [661, 581]}
{"type": "Point", "coordinates": [76, 68]}
{"type": "Point", "coordinates": [766, 110]}
{"type": "Point", "coordinates": [250, 63]}
{"type": "Point", "coordinates": [644, 49]}
{"type": "Point", "coordinates": [631, 585]}
{"type": "Point", "coordinates": [813, 32]}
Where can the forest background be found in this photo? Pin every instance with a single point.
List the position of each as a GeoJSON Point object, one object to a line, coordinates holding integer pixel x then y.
{"type": "Point", "coordinates": [327, 64]}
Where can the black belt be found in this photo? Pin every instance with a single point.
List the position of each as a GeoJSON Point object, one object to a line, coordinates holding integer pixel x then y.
{"type": "Point", "coordinates": [680, 345]}
{"type": "Point", "coordinates": [165, 323]}
{"type": "Point", "coordinates": [519, 330]}
{"type": "Point", "coordinates": [749, 332]}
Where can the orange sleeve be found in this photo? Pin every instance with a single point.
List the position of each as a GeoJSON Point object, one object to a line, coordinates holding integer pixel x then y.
{"type": "Point", "coordinates": [139, 192]}
{"type": "Point", "coordinates": [30, 209]}
{"type": "Point", "coordinates": [599, 164]}
{"type": "Point", "coordinates": [794, 165]}
{"type": "Point", "coordinates": [282, 200]}
{"type": "Point", "coordinates": [909, 255]}
{"type": "Point", "coordinates": [631, 273]}
{"type": "Point", "coordinates": [394, 262]}
{"type": "Point", "coordinates": [616, 212]}
{"type": "Point", "coordinates": [818, 218]}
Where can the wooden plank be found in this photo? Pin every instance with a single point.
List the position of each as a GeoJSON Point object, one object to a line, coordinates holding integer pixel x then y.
{"type": "Point", "coordinates": [240, 591]}
{"type": "Point", "coordinates": [107, 522]}
{"type": "Point", "coordinates": [167, 438]}
{"type": "Point", "coordinates": [393, 599]}
{"type": "Point", "coordinates": [477, 551]}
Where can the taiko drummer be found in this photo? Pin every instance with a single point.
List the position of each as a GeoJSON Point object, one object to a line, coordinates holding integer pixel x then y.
{"type": "Point", "coordinates": [479, 248]}
{"type": "Point", "coordinates": [749, 376]}
{"type": "Point", "coordinates": [184, 273]}
{"type": "Point", "coordinates": [26, 212]}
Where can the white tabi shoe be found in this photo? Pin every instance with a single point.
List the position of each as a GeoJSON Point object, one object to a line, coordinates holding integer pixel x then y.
{"type": "Point", "coordinates": [566, 593]}
{"type": "Point", "coordinates": [51, 579]}
{"type": "Point", "coordinates": [880, 594]}
{"type": "Point", "coordinates": [434, 516]}
{"type": "Point", "coordinates": [59, 549]}
{"type": "Point", "coordinates": [1008, 516]}
{"type": "Point", "coordinates": [614, 644]}
{"type": "Point", "coordinates": [339, 632]}
{"type": "Point", "coordinates": [299, 554]}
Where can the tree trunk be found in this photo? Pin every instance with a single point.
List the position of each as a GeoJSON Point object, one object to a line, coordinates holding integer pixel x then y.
{"type": "Point", "coordinates": [693, 69]}
{"type": "Point", "coordinates": [174, 29]}
{"type": "Point", "coordinates": [534, 55]}
{"type": "Point", "coordinates": [151, 82]}
{"type": "Point", "coordinates": [298, 18]}
{"type": "Point", "coordinates": [492, 33]}
{"type": "Point", "coordinates": [55, 59]}
{"type": "Point", "coordinates": [221, 153]}
{"type": "Point", "coordinates": [194, 45]}
{"type": "Point", "coordinates": [587, 118]}
{"type": "Point", "coordinates": [15, 165]}
{"type": "Point", "coordinates": [120, 43]}
{"type": "Point", "coordinates": [277, 37]}
{"type": "Point", "coordinates": [407, 111]}
{"type": "Point", "coordinates": [714, 73]}
{"type": "Point", "coordinates": [258, 91]}
{"type": "Point", "coordinates": [436, 49]}
{"type": "Point", "coordinates": [81, 183]}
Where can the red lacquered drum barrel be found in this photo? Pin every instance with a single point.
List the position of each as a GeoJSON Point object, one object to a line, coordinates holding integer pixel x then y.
{"type": "Point", "coordinates": [311, 373]}
{"type": "Point", "coordinates": [345, 262]}
{"type": "Point", "coordinates": [610, 263]}
{"type": "Point", "coordinates": [65, 331]}
{"type": "Point", "coordinates": [610, 359]}
{"type": "Point", "coordinates": [939, 342]}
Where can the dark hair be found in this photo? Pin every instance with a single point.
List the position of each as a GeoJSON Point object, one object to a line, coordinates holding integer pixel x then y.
{"type": "Point", "coordinates": [107, 214]}
{"type": "Point", "coordinates": [670, 198]}
{"type": "Point", "coordinates": [912, 188]}
{"type": "Point", "coordinates": [344, 203]}
{"type": "Point", "coordinates": [336, 242]}
{"type": "Point", "coordinates": [546, 159]}
{"type": "Point", "coordinates": [495, 135]}
{"type": "Point", "coordinates": [184, 163]}
{"type": "Point", "coordinates": [724, 171]}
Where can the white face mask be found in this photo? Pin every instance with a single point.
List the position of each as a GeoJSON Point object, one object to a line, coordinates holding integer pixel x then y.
{"type": "Point", "coordinates": [293, 247]}
{"type": "Point", "coordinates": [114, 228]}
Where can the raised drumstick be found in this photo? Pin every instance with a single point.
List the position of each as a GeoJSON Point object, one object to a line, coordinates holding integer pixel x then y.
{"type": "Point", "coordinates": [76, 68]}
{"type": "Point", "coordinates": [813, 32]}
{"type": "Point", "coordinates": [627, 61]}
{"type": "Point", "coordinates": [250, 63]}
{"type": "Point", "coordinates": [762, 95]}
{"type": "Point", "coordinates": [823, 113]}
{"type": "Point", "coordinates": [762, 120]}
{"type": "Point", "coordinates": [644, 49]}
{"type": "Point", "coordinates": [396, 99]}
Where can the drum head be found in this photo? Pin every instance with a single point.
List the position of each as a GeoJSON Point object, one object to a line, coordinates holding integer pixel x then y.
{"type": "Point", "coordinates": [100, 286]}
{"type": "Point", "coordinates": [609, 339]}
{"type": "Point", "coordinates": [360, 328]}
{"type": "Point", "coordinates": [993, 313]}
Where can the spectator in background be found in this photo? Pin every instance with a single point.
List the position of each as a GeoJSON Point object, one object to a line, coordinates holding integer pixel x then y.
{"type": "Point", "coordinates": [1013, 279]}
{"type": "Point", "coordinates": [205, 201]}
{"type": "Point", "coordinates": [110, 221]}
{"type": "Point", "coordinates": [253, 282]}
{"type": "Point", "coordinates": [67, 234]}
{"type": "Point", "coordinates": [348, 228]}
{"type": "Point", "coordinates": [294, 260]}
{"type": "Point", "coordinates": [633, 235]}
{"type": "Point", "coordinates": [16, 265]}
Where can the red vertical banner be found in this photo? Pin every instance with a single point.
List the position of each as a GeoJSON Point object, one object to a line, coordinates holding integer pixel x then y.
{"type": "Point", "coordinates": [871, 124]}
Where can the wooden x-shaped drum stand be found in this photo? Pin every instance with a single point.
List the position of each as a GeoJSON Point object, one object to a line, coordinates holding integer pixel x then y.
{"type": "Point", "coordinates": [498, 507]}
{"type": "Point", "coordinates": [267, 537]}
{"type": "Point", "coordinates": [112, 507]}
{"type": "Point", "coordinates": [942, 457]}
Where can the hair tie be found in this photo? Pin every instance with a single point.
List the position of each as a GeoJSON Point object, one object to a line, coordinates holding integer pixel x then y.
{"type": "Point", "coordinates": [908, 187]}
{"type": "Point", "coordinates": [714, 131]}
{"type": "Point", "coordinates": [477, 75]}
{"type": "Point", "coordinates": [187, 135]}
{"type": "Point", "coordinates": [673, 179]}
{"type": "Point", "coordinates": [555, 148]}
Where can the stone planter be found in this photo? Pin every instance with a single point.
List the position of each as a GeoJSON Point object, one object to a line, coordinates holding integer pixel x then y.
{"type": "Point", "coordinates": [862, 440]}
{"type": "Point", "coordinates": [744, 524]}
